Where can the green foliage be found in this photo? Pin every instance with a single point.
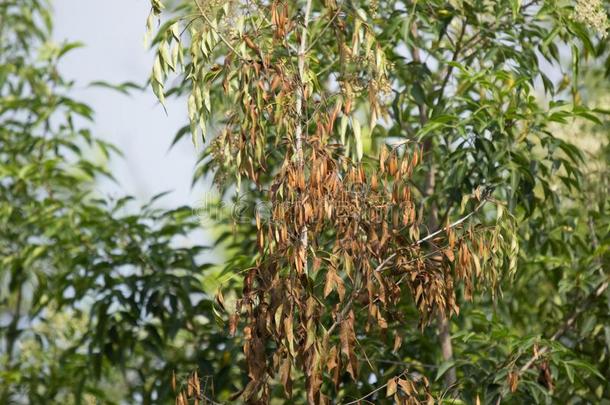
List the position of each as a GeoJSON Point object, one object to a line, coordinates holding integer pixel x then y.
{"type": "Point", "coordinates": [476, 84]}
{"type": "Point", "coordinates": [103, 300]}
{"type": "Point", "coordinates": [99, 299]}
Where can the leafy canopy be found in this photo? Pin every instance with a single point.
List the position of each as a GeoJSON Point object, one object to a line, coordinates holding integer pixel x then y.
{"type": "Point", "coordinates": [379, 134]}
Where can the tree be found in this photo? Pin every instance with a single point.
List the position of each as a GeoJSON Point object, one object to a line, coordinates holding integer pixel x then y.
{"type": "Point", "coordinates": [405, 154]}
{"type": "Point", "coordinates": [99, 299]}
{"type": "Point", "coordinates": [420, 210]}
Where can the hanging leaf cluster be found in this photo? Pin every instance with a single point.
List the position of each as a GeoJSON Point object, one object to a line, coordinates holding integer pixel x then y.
{"type": "Point", "coordinates": [345, 241]}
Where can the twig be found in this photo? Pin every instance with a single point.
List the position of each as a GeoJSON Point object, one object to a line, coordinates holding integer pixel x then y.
{"type": "Point", "coordinates": [452, 225]}
{"type": "Point", "coordinates": [315, 41]}
{"type": "Point", "coordinates": [433, 234]}
{"type": "Point", "coordinates": [384, 262]}
{"type": "Point", "coordinates": [222, 38]}
{"type": "Point", "coordinates": [458, 49]}
{"type": "Point", "coordinates": [375, 390]}
{"type": "Point", "coordinates": [402, 363]}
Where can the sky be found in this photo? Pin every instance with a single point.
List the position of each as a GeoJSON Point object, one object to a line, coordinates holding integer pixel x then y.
{"type": "Point", "coordinates": [113, 34]}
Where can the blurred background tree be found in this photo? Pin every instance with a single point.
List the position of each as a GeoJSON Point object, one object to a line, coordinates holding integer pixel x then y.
{"type": "Point", "coordinates": [100, 300]}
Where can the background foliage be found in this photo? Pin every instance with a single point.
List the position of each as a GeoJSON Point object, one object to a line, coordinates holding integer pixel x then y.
{"type": "Point", "coordinates": [100, 299]}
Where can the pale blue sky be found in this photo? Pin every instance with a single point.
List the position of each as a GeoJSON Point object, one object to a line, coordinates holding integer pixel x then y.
{"type": "Point", "coordinates": [113, 32]}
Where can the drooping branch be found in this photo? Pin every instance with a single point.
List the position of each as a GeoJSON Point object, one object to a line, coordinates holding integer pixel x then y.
{"type": "Point", "coordinates": [383, 264]}
{"type": "Point", "coordinates": [452, 225]}
{"type": "Point", "coordinates": [364, 397]}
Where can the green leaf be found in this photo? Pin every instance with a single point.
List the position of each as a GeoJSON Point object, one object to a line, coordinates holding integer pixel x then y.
{"type": "Point", "coordinates": [357, 138]}
{"type": "Point", "coordinates": [586, 366]}
{"type": "Point", "coordinates": [443, 368]}
{"type": "Point", "coordinates": [69, 47]}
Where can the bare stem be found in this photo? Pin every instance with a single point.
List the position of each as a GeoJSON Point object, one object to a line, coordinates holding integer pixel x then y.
{"type": "Point", "coordinates": [301, 60]}
{"type": "Point", "coordinates": [444, 334]}
{"type": "Point", "coordinates": [375, 390]}
{"type": "Point", "coordinates": [452, 225]}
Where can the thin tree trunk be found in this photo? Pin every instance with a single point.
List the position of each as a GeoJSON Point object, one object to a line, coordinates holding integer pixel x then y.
{"type": "Point", "coordinates": [444, 330]}
{"type": "Point", "coordinates": [444, 337]}
{"type": "Point", "coordinates": [301, 60]}
{"type": "Point", "coordinates": [11, 338]}
{"type": "Point", "coordinates": [444, 327]}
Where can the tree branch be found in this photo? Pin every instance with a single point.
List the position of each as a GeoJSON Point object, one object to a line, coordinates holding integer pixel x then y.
{"type": "Point", "coordinates": [452, 225]}
{"type": "Point", "coordinates": [568, 323]}
{"type": "Point", "coordinates": [375, 390]}
{"type": "Point", "coordinates": [456, 52]}
{"type": "Point", "coordinates": [301, 60]}
{"type": "Point", "coordinates": [222, 38]}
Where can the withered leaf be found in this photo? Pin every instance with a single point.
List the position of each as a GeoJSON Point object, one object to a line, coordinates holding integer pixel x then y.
{"type": "Point", "coordinates": [513, 381]}
{"type": "Point", "coordinates": [289, 334]}
{"type": "Point", "coordinates": [348, 341]}
{"type": "Point", "coordinates": [330, 282]}
{"type": "Point", "coordinates": [391, 387]}
{"type": "Point", "coordinates": [285, 376]}
{"type": "Point", "coordinates": [397, 342]}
